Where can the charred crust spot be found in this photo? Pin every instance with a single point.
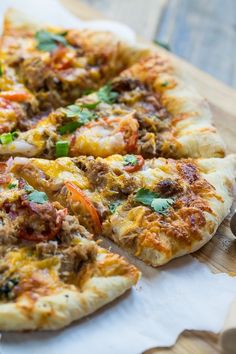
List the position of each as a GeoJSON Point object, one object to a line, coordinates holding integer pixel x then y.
{"type": "Point", "coordinates": [188, 171]}
{"type": "Point", "coordinates": [168, 187]}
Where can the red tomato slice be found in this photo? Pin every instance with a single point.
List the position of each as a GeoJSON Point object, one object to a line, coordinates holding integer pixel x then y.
{"type": "Point", "coordinates": [79, 196]}
{"type": "Point", "coordinates": [15, 96]}
{"type": "Point", "coordinates": [137, 166]}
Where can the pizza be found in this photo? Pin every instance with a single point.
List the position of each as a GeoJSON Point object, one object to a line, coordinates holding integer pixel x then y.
{"type": "Point", "coordinates": [145, 110]}
{"type": "Point", "coordinates": [51, 271]}
{"type": "Point", "coordinates": [58, 65]}
{"type": "Point", "coordinates": [98, 138]}
{"type": "Point", "coordinates": [156, 209]}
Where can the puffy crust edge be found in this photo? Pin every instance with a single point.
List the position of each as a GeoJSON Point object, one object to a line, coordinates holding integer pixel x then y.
{"type": "Point", "coordinates": [221, 174]}
{"type": "Point", "coordinates": [192, 118]}
{"type": "Point", "coordinates": [59, 310]}
{"type": "Point", "coordinates": [194, 131]}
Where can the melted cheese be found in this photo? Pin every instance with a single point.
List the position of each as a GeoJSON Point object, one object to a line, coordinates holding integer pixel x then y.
{"type": "Point", "coordinates": [62, 170]}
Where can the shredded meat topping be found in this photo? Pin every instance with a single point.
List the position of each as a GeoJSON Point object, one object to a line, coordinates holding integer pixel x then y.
{"type": "Point", "coordinates": [31, 221]}
{"type": "Point", "coordinates": [168, 187]}
{"type": "Point", "coordinates": [8, 230]}
{"type": "Point", "coordinates": [96, 172]}
{"type": "Point", "coordinates": [122, 84]}
{"type": "Point", "coordinates": [74, 257]}
{"type": "Point", "coordinates": [46, 249]}
{"type": "Point", "coordinates": [70, 228]}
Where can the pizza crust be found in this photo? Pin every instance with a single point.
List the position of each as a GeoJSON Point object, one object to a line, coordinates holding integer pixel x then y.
{"type": "Point", "coordinates": [157, 248]}
{"type": "Point", "coordinates": [59, 310]}
{"type": "Point", "coordinates": [221, 174]}
{"type": "Point", "coordinates": [194, 128]}
{"type": "Point", "coordinates": [193, 131]}
{"type": "Point", "coordinates": [192, 123]}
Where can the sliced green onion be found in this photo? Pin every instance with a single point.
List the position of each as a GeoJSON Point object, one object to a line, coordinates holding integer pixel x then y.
{"type": "Point", "coordinates": [62, 148]}
{"type": "Point", "coordinates": [6, 138]}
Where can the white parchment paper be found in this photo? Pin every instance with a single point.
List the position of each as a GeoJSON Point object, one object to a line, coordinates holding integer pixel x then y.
{"type": "Point", "coordinates": [166, 301]}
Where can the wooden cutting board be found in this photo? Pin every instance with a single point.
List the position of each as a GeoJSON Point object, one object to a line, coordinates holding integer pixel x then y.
{"type": "Point", "coordinates": [220, 253]}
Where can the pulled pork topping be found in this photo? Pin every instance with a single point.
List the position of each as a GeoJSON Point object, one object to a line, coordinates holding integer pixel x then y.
{"type": "Point", "coordinates": [96, 172]}
{"type": "Point", "coordinates": [168, 187]}
{"type": "Point", "coordinates": [74, 257]}
{"type": "Point", "coordinates": [30, 216]}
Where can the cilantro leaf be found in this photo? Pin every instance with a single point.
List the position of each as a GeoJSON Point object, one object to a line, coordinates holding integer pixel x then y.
{"type": "Point", "coordinates": [105, 94]}
{"type": "Point", "coordinates": [130, 160]}
{"type": "Point", "coordinates": [69, 127]}
{"type": "Point", "coordinates": [72, 111]}
{"type": "Point", "coordinates": [12, 185]}
{"type": "Point", "coordinates": [153, 200]}
{"type": "Point", "coordinates": [90, 105]}
{"type": "Point", "coordinates": [1, 70]}
{"type": "Point", "coordinates": [38, 197]}
{"type": "Point", "coordinates": [160, 205]}
{"type": "Point", "coordinates": [145, 196]}
{"type": "Point", "coordinates": [113, 206]}
{"type": "Point", "coordinates": [28, 188]}
{"type": "Point", "coordinates": [47, 41]}
{"type": "Point", "coordinates": [84, 116]}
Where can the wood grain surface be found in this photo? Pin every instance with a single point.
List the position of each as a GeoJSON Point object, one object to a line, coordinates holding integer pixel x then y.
{"type": "Point", "coordinates": [201, 31]}
{"type": "Point", "coordinates": [220, 253]}
{"type": "Point", "coordinates": [204, 33]}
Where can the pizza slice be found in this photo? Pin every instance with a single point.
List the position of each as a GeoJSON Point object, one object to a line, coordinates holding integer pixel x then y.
{"type": "Point", "coordinates": [58, 65]}
{"type": "Point", "coordinates": [146, 110]}
{"type": "Point", "coordinates": [51, 272]}
{"type": "Point", "coordinates": [17, 104]}
{"type": "Point", "coordinates": [156, 209]}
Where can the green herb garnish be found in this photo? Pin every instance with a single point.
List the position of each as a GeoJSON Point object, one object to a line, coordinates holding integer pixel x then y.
{"type": "Point", "coordinates": [105, 94]}
{"type": "Point", "coordinates": [12, 185]}
{"type": "Point", "coordinates": [153, 200]}
{"type": "Point", "coordinates": [7, 288]}
{"type": "Point", "coordinates": [69, 127]}
{"type": "Point", "coordinates": [83, 117]}
{"type": "Point", "coordinates": [34, 195]}
{"type": "Point", "coordinates": [7, 138]}
{"type": "Point", "coordinates": [62, 148]}
{"type": "Point", "coordinates": [28, 188]}
{"type": "Point", "coordinates": [87, 91]}
{"type": "Point", "coordinates": [47, 41]}
{"type": "Point", "coordinates": [162, 44]}
{"type": "Point", "coordinates": [130, 160]}
{"type": "Point", "coordinates": [38, 197]}
{"type": "Point", "coordinates": [165, 83]}
{"type": "Point", "coordinates": [1, 70]}
{"type": "Point", "coordinates": [113, 206]}
{"type": "Point", "coordinates": [145, 196]}
{"type": "Point", "coordinates": [90, 105]}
